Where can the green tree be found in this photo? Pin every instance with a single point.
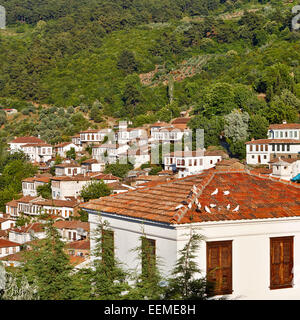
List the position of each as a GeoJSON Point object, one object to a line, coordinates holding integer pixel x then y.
{"type": "Point", "coordinates": [48, 266]}
{"type": "Point", "coordinates": [45, 191]}
{"type": "Point", "coordinates": [185, 282]}
{"type": "Point", "coordinates": [118, 169]}
{"type": "Point", "coordinates": [109, 280]}
{"type": "Point", "coordinates": [71, 154]}
{"type": "Point", "coordinates": [258, 127]}
{"type": "Point", "coordinates": [95, 190]}
{"type": "Point", "coordinates": [127, 62]}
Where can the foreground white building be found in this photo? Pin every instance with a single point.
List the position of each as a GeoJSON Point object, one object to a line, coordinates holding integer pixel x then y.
{"type": "Point", "coordinates": [250, 227]}
{"type": "Point", "coordinates": [283, 141]}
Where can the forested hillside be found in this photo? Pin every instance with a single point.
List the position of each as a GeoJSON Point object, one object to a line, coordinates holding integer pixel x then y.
{"type": "Point", "coordinates": [147, 61]}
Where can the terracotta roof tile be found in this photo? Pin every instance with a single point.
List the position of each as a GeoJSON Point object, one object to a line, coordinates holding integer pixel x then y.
{"type": "Point", "coordinates": [246, 190]}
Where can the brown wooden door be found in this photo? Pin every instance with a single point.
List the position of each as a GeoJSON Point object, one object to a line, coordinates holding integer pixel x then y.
{"type": "Point", "coordinates": [219, 266]}
{"type": "Point", "coordinates": [282, 261]}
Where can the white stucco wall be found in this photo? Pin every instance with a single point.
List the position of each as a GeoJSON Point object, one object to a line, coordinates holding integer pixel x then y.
{"type": "Point", "coordinates": [250, 249]}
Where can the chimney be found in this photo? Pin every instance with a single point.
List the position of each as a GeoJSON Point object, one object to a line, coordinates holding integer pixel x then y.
{"type": "Point", "coordinates": [284, 121]}
{"type": "Point", "coordinates": [252, 139]}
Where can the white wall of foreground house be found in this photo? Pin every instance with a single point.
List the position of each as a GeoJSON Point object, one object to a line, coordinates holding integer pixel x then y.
{"type": "Point", "coordinates": [127, 237]}
{"type": "Point", "coordinates": [250, 249]}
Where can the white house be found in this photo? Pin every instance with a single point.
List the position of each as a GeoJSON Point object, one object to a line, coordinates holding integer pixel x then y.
{"type": "Point", "coordinates": [72, 230]}
{"type": "Point", "coordinates": [285, 169]}
{"type": "Point", "coordinates": [34, 206]}
{"type": "Point", "coordinates": [136, 156]}
{"type": "Point", "coordinates": [95, 136]}
{"type": "Point", "coordinates": [30, 185]}
{"type": "Point", "coordinates": [38, 152]}
{"type": "Point", "coordinates": [167, 133]}
{"type": "Point", "coordinates": [127, 135]}
{"type": "Point", "coordinates": [70, 186]}
{"type": "Point", "coordinates": [250, 228]}
{"type": "Point", "coordinates": [92, 165]}
{"type": "Point", "coordinates": [191, 162]}
{"type": "Point", "coordinates": [17, 143]}
{"type": "Point", "coordinates": [109, 151]}
{"type": "Point", "coordinates": [283, 141]}
{"type": "Point", "coordinates": [27, 233]}
{"type": "Point", "coordinates": [67, 169]}
{"type": "Point", "coordinates": [8, 247]}
{"type": "Point", "coordinates": [7, 223]}
{"type": "Point", "coordinates": [61, 149]}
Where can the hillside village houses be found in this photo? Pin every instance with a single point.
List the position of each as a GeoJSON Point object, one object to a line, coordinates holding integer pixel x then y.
{"type": "Point", "coordinates": [70, 186]}
{"type": "Point", "coordinates": [250, 226]}
{"type": "Point", "coordinates": [27, 233]}
{"type": "Point", "coordinates": [283, 141]}
{"type": "Point", "coordinates": [35, 206]}
{"type": "Point", "coordinates": [61, 149]}
{"type": "Point", "coordinates": [67, 169]}
{"type": "Point", "coordinates": [30, 185]}
{"type": "Point", "coordinates": [8, 247]}
{"type": "Point", "coordinates": [191, 162]}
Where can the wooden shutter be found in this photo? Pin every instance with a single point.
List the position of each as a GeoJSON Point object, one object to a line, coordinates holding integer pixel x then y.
{"type": "Point", "coordinates": [219, 266]}
{"type": "Point", "coordinates": [148, 256]}
{"type": "Point", "coordinates": [282, 260]}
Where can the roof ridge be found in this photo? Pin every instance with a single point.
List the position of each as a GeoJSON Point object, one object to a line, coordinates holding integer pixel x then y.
{"type": "Point", "coordinates": [196, 194]}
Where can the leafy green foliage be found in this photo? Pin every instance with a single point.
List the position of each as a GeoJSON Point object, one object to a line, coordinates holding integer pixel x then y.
{"type": "Point", "coordinates": [48, 266]}
{"type": "Point", "coordinates": [95, 190]}
{"type": "Point", "coordinates": [118, 169]}
{"type": "Point", "coordinates": [186, 283]}
{"type": "Point", "coordinates": [45, 191]}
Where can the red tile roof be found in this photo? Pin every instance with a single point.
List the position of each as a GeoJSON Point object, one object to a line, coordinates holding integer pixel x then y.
{"type": "Point", "coordinates": [247, 190]}
{"type": "Point", "coordinates": [72, 225]}
{"type": "Point", "coordinates": [79, 245]}
{"type": "Point", "coordinates": [6, 243]}
{"type": "Point", "coordinates": [43, 144]}
{"type": "Point", "coordinates": [181, 120]}
{"type": "Point", "coordinates": [67, 165]}
{"type": "Point", "coordinates": [27, 140]}
{"type": "Point", "coordinates": [271, 141]}
{"type": "Point", "coordinates": [285, 126]}
{"type": "Point", "coordinates": [18, 256]}
{"type": "Point", "coordinates": [36, 227]}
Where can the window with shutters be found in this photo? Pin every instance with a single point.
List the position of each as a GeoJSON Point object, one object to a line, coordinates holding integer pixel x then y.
{"type": "Point", "coordinates": [219, 267]}
{"type": "Point", "coordinates": [148, 256]}
{"type": "Point", "coordinates": [281, 256]}
{"type": "Point", "coordinates": [108, 248]}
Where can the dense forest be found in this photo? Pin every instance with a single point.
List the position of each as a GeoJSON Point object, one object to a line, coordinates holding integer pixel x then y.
{"type": "Point", "coordinates": [147, 61]}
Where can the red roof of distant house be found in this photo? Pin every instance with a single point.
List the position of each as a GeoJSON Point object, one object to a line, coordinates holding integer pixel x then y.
{"type": "Point", "coordinates": [12, 203]}
{"type": "Point", "coordinates": [79, 245]}
{"type": "Point", "coordinates": [103, 176]}
{"type": "Point", "coordinates": [36, 227]}
{"type": "Point", "coordinates": [63, 144]}
{"type": "Point", "coordinates": [258, 197]}
{"type": "Point", "coordinates": [6, 243]}
{"type": "Point", "coordinates": [18, 256]}
{"type": "Point", "coordinates": [38, 179]}
{"type": "Point", "coordinates": [72, 225]}
{"type": "Point", "coordinates": [272, 141]}
{"type": "Point", "coordinates": [181, 120]}
{"type": "Point", "coordinates": [27, 140]}
{"type": "Point", "coordinates": [42, 144]}
{"type": "Point", "coordinates": [285, 126]}
{"type": "Point", "coordinates": [67, 165]}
